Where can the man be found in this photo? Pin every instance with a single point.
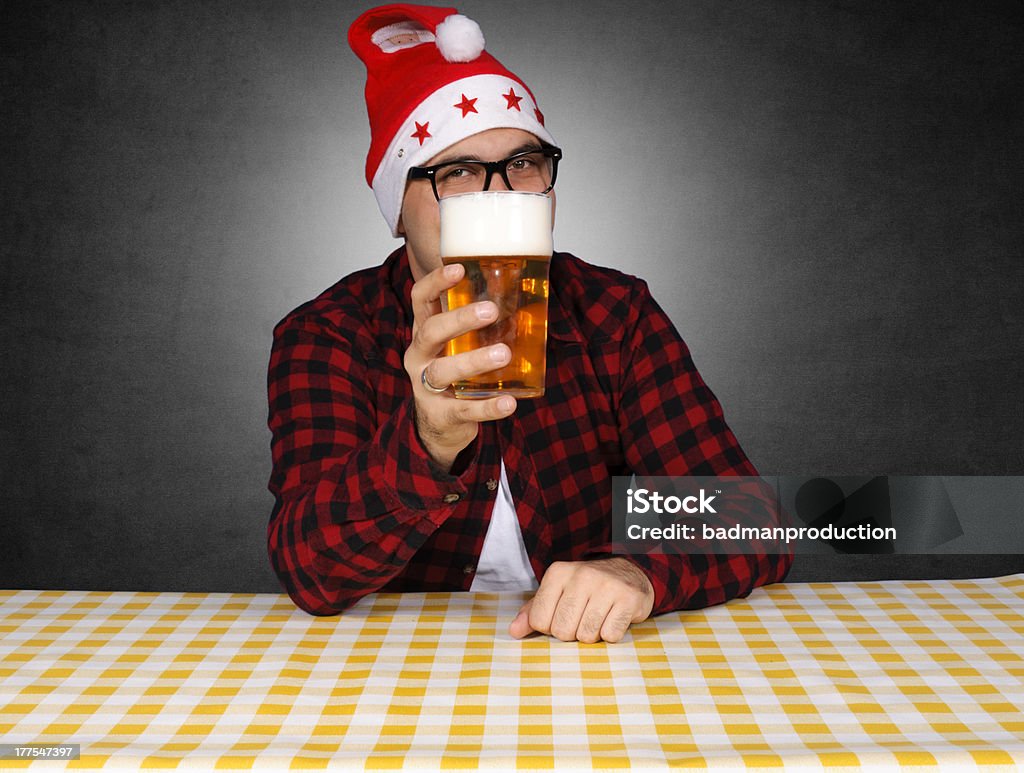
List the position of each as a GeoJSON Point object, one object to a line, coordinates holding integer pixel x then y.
{"type": "Point", "coordinates": [384, 481]}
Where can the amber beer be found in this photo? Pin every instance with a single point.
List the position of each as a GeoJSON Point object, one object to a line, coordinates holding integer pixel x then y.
{"type": "Point", "coordinates": [504, 241]}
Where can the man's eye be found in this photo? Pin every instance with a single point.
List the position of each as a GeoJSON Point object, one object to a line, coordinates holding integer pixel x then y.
{"type": "Point", "coordinates": [528, 164]}
{"type": "Point", "coordinates": [457, 174]}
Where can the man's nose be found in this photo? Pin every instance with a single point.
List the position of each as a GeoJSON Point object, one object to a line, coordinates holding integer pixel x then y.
{"type": "Point", "coordinates": [497, 183]}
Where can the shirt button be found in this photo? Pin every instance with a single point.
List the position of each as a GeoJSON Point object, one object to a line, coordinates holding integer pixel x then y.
{"type": "Point", "coordinates": [450, 499]}
{"type": "Point", "coordinates": [468, 569]}
{"type": "Point", "coordinates": [492, 484]}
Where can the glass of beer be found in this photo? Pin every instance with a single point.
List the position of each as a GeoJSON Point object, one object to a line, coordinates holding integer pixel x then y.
{"type": "Point", "coordinates": [503, 238]}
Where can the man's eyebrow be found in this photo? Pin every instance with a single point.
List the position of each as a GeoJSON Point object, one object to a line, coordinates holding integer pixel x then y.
{"type": "Point", "coordinates": [524, 148]}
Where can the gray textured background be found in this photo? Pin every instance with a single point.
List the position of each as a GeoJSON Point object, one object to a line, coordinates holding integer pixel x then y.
{"type": "Point", "coordinates": [825, 196]}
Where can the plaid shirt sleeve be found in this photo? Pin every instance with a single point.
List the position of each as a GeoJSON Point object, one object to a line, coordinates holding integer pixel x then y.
{"type": "Point", "coordinates": [671, 424]}
{"type": "Point", "coordinates": [354, 500]}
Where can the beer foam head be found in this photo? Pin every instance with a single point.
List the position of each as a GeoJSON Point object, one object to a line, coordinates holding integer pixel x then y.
{"type": "Point", "coordinates": [496, 223]}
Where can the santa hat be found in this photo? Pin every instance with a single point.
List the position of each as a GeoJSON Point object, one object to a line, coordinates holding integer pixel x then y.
{"type": "Point", "coordinates": [430, 84]}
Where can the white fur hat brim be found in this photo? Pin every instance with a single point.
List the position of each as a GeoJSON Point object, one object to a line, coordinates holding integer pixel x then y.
{"type": "Point", "coordinates": [454, 112]}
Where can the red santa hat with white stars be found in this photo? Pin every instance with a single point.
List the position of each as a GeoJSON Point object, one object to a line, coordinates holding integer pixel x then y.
{"type": "Point", "coordinates": [430, 84]}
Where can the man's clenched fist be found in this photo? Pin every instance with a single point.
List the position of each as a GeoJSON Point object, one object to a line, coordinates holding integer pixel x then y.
{"type": "Point", "coordinates": [588, 601]}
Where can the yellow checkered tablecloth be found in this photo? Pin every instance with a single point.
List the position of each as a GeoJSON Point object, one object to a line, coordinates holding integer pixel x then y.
{"type": "Point", "coordinates": [884, 674]}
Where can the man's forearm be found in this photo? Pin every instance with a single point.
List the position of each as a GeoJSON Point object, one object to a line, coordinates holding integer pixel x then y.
{"type": "Point", "coordinates": [359, 521]}
{"type": "Point", "coordinates": [356, 493]}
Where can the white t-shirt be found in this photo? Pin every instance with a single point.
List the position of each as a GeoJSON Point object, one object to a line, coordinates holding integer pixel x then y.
{"type": "Point", "coordinates": [504, 565]}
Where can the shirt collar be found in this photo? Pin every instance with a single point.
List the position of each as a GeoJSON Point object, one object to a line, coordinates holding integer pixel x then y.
{"type": "Point", "coordinates": [400, 280]}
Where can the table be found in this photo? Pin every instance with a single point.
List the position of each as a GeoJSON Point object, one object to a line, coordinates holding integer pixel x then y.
{"type": "Point", "coordinates": [895, 674]}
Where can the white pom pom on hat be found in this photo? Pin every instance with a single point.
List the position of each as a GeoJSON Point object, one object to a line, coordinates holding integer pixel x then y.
{"type": "Point", "coordinates": [459, 39]}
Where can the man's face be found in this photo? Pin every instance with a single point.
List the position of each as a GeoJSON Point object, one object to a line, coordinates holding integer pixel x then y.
{"type": "Point", "coordinates": [420, 222]}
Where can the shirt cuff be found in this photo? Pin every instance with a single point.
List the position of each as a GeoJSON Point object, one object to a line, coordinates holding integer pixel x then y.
{"type": "Point", "coordinates": [418, 483]}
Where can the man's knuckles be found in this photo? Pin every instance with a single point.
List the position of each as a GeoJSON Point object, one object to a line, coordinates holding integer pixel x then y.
{"type": "Point", "coordinates": [455, 413]}
{"type": "Point", "coordinates": [560, 571]}
{"type": "Point", "coordinates": [561, 607]}
{"type": "Point", "coordinates": [566, 620]}
{"type": "Point", "coordinates": [590, 627]}
{"type": "Point", "coordinates": [438, 329]}
{"type": "Point", "coordinates": [430, 336]}
{"type": "Point", "coordinates": [615, 625]}
{"type": "Point", "coordinates": [428, 289]}
{"type": "Point", "coordinates": [477, 361]}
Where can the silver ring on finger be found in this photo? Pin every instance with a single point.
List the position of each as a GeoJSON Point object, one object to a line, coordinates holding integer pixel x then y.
{"type": "Point", "coordinates": [430, 387]}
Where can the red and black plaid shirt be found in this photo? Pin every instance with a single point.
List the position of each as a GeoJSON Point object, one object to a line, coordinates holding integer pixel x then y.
{"type": "Point", "coordinates": [361, 508]}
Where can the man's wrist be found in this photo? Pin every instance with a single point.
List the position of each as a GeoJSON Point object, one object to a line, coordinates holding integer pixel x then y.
{"type": "Point", "coordinates": [442, 455]}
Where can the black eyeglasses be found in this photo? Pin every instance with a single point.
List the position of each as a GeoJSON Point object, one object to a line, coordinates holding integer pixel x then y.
{"type": "Point", "coordinates": [531, 171]}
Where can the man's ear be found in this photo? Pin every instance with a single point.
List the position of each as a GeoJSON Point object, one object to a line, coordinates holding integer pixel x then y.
{"type": "Point", "coordinates": [400, 227]}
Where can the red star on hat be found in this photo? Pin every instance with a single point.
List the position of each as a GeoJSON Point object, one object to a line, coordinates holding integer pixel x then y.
{"type": "Point", "coordinates": [512, 99]}
{"type": "Point", "coordinates": [467, 105]}
{"type": "Point", "coordinates": [421, 132]}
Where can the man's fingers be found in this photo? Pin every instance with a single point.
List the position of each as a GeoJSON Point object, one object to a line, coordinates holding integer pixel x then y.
{"type": "Point", "coordinates": [545, 600]}
{"type": "Point", "coordinates": [565, 622]}
{"type": "Point", "coordinates": [485, 410]}
{"type": "Point", "coordinates": [448, 370]}
{"type": "Point", "coordinates": [587, 601]}
{"type": "Point", "coordinates": [592, 620]}
{"type": "Point", "coordinates": [434, 332]}
{"type": "Point", "coordinates": [616, 623]}
{"type": "Point", "coordinates": [597, 622]}
{"type": "Point", "coordinates": [444, 427]}
{"type": "Point", "coordinates": [426, 293]}
{"type": "Point", "coordinates": [520, 625]}
{"type": "Point", "coordinates": [475, 411]}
